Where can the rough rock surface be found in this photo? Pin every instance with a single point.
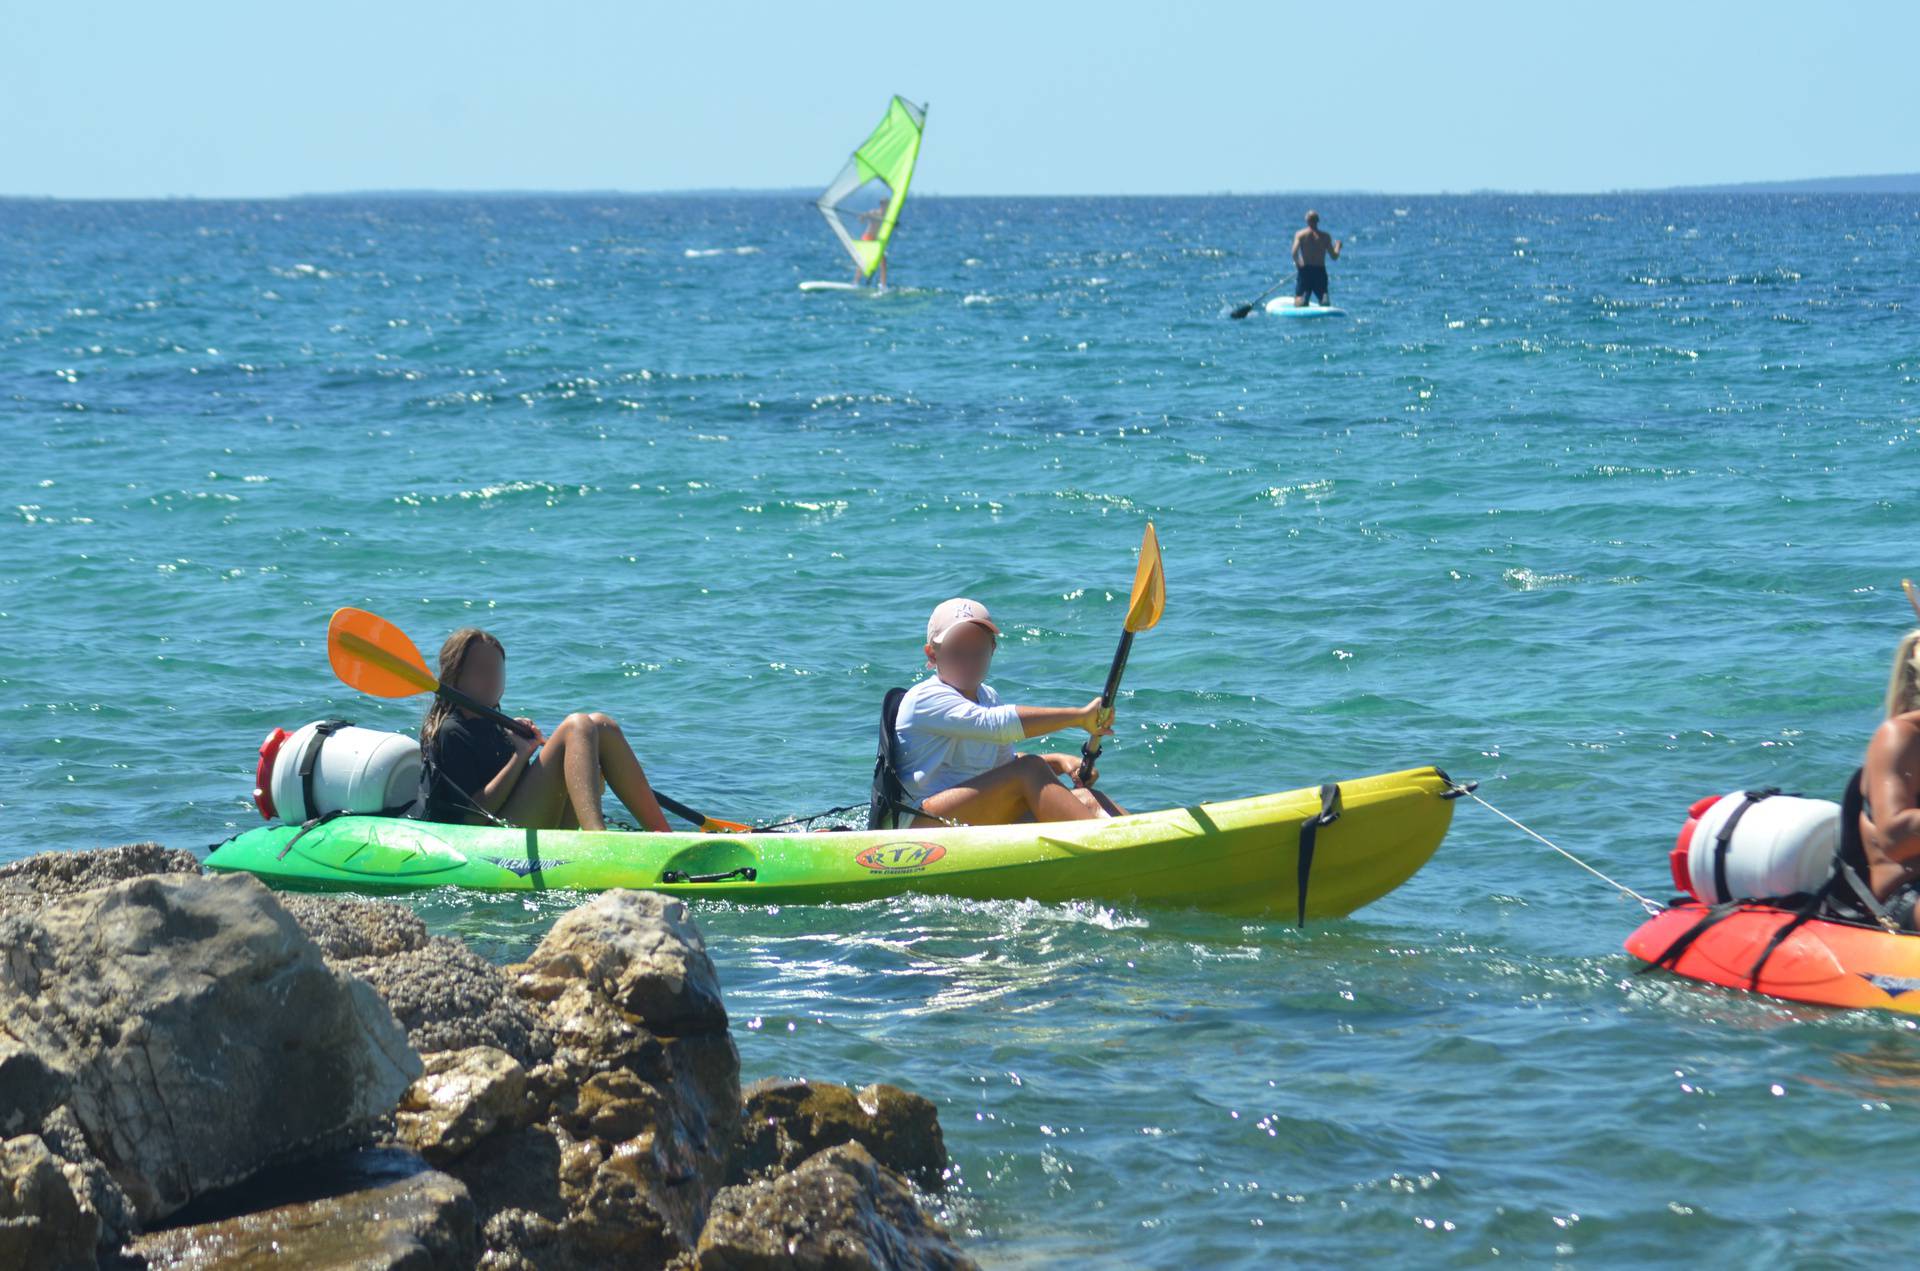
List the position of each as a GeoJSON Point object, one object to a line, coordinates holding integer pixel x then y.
{"type": "Point", "coordinates": [346, 929]}
{"type": "Point", "coordinates": [195, 1032]}
{"type": "Point", "coordinates": [637, 951]}
{"type": "Point", "coordinates": [450, 998]}
{"type": "Point", "coordinates": [462, 1097]}
{"type": "Point", "coordinates": [30, 883]}
{"type": "Point", "coordinates": [841, 1210]}
{"type": "Point", "coordinates": [641, 1098]}
{"type": "Point", "coordinates": [785, 1122]}
{"type": "Point", "coordinates": [42, 1222]}
{"type": "Point", "coordinates": [166, 1037]}
{"type": "Point", "coordinates": [418, 1221]}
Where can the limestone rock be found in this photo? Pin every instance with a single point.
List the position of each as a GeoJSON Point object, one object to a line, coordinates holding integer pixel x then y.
{"type": "Point", "coordinates": [92, 1182]}
{"type": "Point", "coordinates": [461, 1098]}
{"type": "Point", "coordinates": [346, 929]}
{"type": "Point", "coordinates": [42, 1222]}
{"type": "Point", "coordinates": [198, 1032]}
{"type": "Point", "coordinates": [421, 1220]}
{"type": "Point", "coordinates": [840, 1211]}
{"type": "Point", "coordinates": [785, 1122]}
{"type": "Point", "coordinates": [637, 950]}
{"type": "Point", "coordinates": [30, 883]}
{"type": "Point", "coordinates": [450, 998]}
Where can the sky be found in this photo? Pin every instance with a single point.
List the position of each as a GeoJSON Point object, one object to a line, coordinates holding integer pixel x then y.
{"type": "Point", "coordinates": [219, 99]}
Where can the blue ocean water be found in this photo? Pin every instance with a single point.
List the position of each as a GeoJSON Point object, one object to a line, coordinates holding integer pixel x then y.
{"type": "Point", "coordinates": [1601, 501]}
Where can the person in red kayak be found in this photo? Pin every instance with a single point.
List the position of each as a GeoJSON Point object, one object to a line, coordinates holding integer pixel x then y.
{"type": "Point", "coordinates": [1890, 788]}
{"type": "Point", "coordinates": [474, 770]}
{"type": "Point", "coordinates": [955, 738]}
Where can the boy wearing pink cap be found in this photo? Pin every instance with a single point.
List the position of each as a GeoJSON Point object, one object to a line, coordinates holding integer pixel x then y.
{"type": "Point", "coordinates": [954, 739]}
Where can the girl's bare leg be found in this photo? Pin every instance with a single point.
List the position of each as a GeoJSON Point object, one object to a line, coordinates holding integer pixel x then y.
{"type": "Point", "coordinates": [623, 772]}
{"type": "Point", "coordinates": [565, 783]}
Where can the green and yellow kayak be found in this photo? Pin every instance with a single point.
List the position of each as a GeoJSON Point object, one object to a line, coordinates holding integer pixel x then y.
{"type": "Point", "coordinates": [1236, 857]}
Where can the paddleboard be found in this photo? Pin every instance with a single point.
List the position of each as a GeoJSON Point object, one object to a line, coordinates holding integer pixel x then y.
{"type": "Point", "coordinates": [815, 284]}
{"type": "Point", "coordinates": [1283, 307]}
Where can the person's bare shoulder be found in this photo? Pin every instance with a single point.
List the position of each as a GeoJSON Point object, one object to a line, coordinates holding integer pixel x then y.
{"type": "Point", "coordinates": [1895, 746]}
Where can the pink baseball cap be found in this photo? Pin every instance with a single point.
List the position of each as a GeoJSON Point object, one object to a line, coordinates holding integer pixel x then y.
{"type": "Point", "coordinates": [951, 613]}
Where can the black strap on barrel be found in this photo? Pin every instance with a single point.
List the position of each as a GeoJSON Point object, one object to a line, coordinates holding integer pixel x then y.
{"type": "Point", "coordinates": [1723, 842]}
{"type": "Point", "coordinates": [1822, 903]}
{"type": "Point", "coordinates": [1329, 813]}
{"type": "Point", "coordinates": [311, 756]}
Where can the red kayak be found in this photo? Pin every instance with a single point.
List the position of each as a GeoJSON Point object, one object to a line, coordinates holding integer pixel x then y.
{"type": "Point", "coordinates": [1821, 961]}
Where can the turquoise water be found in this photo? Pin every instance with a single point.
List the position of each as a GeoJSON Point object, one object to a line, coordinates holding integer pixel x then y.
{"type": "Point", "coordinates": [1603, 502]}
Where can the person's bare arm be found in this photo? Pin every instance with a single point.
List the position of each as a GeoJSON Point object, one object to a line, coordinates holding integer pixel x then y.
{"type": "Point", "coordinates": [1333, 248]}
{"type": "Point", "coordinates": [1296, 248]}
{"type": "Point", "coordinates": [1038, 721]}
{"type": "Point", "coordinates": [493, 796]}
{"type": "Point", "coordinates": [1893, 772]}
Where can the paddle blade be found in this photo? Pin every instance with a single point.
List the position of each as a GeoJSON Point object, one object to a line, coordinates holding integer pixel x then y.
{"type": "Point", "coordinates": [371, 654]}
{"type": "Point", "coordinates": [1241, 312]}
{"type": "Point", "coordinates": [1913, 597]}
{"type": "Point", "coordinates": [1149, 585]}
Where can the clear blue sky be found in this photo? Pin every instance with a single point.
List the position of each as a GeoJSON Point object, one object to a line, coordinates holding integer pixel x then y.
{"type": "Point", "coordinates": [1110, 96]}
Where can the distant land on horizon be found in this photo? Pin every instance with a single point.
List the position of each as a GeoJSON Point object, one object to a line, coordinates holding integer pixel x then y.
{"type": "Point", "coordinates": [1890, 183]}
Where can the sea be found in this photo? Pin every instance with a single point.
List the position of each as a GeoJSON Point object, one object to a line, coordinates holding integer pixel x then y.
{"type": "Point", "coordinates": [1602, 502]}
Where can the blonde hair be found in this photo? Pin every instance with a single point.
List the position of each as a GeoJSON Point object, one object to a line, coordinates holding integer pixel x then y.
{"type": "Point", "coordinates": [1903, 688]}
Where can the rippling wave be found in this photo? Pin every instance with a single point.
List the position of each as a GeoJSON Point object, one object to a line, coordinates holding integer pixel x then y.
{"type": "Point", "coordinates": [1601, 501]}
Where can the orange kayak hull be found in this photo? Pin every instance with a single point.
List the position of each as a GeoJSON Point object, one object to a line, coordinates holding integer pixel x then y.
{"type": "Point", "coordinates": [1823, 963]}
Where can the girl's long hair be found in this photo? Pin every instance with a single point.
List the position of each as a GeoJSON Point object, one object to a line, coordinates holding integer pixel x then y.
{"type": "Point", "coordinates": [1903, 688]}
{"type": "Point", "coordinates": [453, 660]}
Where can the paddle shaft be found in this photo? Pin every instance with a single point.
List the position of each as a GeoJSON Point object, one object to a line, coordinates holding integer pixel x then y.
{"type": "Point", "coordinates": [505, 720]}
{"type": "Point", "coordinates": [1247, 308]}
{"type": "Point", "coordinates": [1091, 750]}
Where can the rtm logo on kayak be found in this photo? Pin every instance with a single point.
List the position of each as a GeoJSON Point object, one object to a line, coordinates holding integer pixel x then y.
{"type": "Point", "coordinates": [900, 858]}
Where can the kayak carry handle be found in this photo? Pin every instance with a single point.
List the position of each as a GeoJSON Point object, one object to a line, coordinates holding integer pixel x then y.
{"type": "Point", "coordinates": [746, 872]}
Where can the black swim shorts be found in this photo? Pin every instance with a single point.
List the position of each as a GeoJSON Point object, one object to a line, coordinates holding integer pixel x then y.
{"type": "Point", "coordinates": [1312, 281]}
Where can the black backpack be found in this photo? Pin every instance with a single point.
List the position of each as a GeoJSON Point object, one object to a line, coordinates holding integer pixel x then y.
{"type": "Point", "coordinates": [887, 795]}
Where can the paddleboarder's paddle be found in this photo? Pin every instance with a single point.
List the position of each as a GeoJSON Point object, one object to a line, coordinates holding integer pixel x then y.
{"type": "Point", "coordinates": [1248, 308]}
{"type": "Point", "coordinates": [1913, 597]}
{"type": "Point", "coordinates": [372, 655]}
{"type": "Point", "coordinates": [1143, 611]}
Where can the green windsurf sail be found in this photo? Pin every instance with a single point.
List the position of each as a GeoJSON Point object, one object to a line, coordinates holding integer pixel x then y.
{"type": "Point", "coordinates": [881, 168]}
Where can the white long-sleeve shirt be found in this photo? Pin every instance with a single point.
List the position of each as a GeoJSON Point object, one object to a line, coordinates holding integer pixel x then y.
{"type": "Point", "coordinates": [946, 738]}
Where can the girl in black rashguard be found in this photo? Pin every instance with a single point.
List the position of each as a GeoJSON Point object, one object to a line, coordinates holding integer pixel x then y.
{"type": "Point", "coordinates": [475, 770]}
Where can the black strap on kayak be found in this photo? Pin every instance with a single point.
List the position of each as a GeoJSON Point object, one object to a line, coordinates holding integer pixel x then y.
{"type": "Point", "coordinates": [311, 756]}
{"type": "Point", "coordinates": [1329, 813]}
{"type": "Point", "coordinates": [1723, 841]}
{"type": "Point", "coordinates": [1821, 905]}
{"type": "Point", "coordinates": [313, 823]}
{"type": "Point", "coordinates": [1713, 914]}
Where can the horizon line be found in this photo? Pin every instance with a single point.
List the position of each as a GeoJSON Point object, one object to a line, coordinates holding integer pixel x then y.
{"type": "Point", "coordinates": [1908, 181]}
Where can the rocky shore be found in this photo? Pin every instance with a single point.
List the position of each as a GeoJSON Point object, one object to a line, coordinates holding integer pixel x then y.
{"type": "Point", "coordinates": [198, 1072]}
